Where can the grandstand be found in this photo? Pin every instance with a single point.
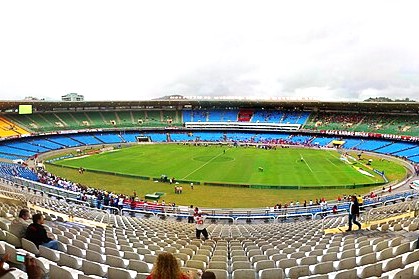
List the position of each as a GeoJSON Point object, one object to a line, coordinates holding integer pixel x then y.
{"type": "Point", "coordinates": [99, 244]}
{"type": "Point", "coordinates": [10, 129]}
{"type": "Point", "coordinates": [364, 122]}
{"type": "Point", "coordinates": [97, 241]}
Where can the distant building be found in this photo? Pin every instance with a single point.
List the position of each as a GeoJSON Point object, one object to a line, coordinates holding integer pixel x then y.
{"type": "Point", "coordinates": [72, 97]}
{"type": "Point", "coordinates": [30, 98]}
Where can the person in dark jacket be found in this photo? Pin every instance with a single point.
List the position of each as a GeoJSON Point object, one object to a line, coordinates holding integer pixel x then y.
{"type": "Point", "coordinates": [38, 235]}
{"type": "Point", "coordinates": [353, 213]}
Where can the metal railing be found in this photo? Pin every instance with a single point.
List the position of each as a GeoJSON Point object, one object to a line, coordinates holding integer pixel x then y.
{"type": "Point", "coordinates": [328, 212]}
{"type": "Point", "coordinates": [334, 216]}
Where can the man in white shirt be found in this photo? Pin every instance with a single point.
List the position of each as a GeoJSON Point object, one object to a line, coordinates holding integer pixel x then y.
{"type": "Point", "coordinates": [200, 226]}
{"type": "Point", "coordinates": [19, 225]}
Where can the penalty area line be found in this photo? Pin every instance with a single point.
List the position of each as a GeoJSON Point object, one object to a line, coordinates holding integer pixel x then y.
{"type": "Point", "coordinates": [301, 156]}
{"type": "Point", "coordinates": [197, 169]}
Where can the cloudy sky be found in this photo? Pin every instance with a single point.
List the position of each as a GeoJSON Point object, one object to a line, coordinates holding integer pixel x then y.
{"type": "Point", "coordinates": [131, 50]}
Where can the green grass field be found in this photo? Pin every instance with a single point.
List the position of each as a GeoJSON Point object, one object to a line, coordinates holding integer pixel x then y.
{"type": "Point", "coordinates": [236, 165]}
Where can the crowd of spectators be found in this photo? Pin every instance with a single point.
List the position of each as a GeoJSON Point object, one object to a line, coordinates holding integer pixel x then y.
{"type": "Point", "coordinates": [97, 197]}
{"type": "Point", "coordinates": [344, 119]}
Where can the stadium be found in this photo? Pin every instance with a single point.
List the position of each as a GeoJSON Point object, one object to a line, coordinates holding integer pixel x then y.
{"type": "Point", "coordinates": [115, 180]}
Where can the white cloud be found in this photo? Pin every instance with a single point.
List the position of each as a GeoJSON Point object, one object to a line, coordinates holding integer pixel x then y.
{"type": "Point", "coordinates": [126, 50]}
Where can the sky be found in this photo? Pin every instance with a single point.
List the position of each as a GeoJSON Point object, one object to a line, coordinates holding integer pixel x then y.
{"type": "Point", "coordinates": [136, 50]}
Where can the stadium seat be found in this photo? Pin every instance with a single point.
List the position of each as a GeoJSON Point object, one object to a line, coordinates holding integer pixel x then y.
{"type": "Point", "coordinates": [392, 264]}
{"type": "Point", "coordinates": [240, 265]}
{"type": "Point", "coordinates": [244, 274]}
{"type": "Point", "coordinates": [401, 273]}
{"type": "Point", "coordinates": [120, 273]}
{"type": "Point", "coordinates": [30, 246]}
{"type": "Point", "coordinates": [401, 249]}
{"type": "Point", "coordinates": [310, 260]}
{"type": "Point", "coordinates": [115, 261]}
{"type": "Point", "coordinates": [321, 268]}
{"type": "Point", "coordinates": [272, 273]}
{"type": "Point", "coordinates": [344, 274]}
{"type": "Point", "coordinates": [366, 259]}
{"type": "Point", "coordinates": [257, 258]}
{"type": "Point", "coordinates": [196, 264]}
{"type": "Point", "coordinates": [286, 263]}
{"type": "Point", "coordinates": [410, 257]}
{"type": "Point", "coordinates": [95, 256]}
{"type": "Point", "coordinates": [49, 254]}
{"type": "Point", "coordinates": [13, 240]}
{"type": "Point", "coordinates": [347, 263]}
{"type": "Point", "coordinates": [92, 268]}
{"type": "Point", "coordinates": [70, 261]}
{"type": "Point", "coordinates": [219, 258]}
{"type": "Point", "coordinates": [218, 265]}
{"type": "Point", "coordinates": [369, 270]}
{"type": "Point", "coordinates": [151, 259]}
{"type": "Point", "coordinates": [264, 264]}
{"type": "Point", "coordinates": [63, 273]}
{"type": "Point", "coordinates": [219, 273]}
{"type": "Point", "coordinates": [199, 257]}
{"type": "Point", "coordinates": [297, 271]}
{"type": "Point", "coordinates": [75, 251]}
{"type": "Point", "coordinates": [385, 254]}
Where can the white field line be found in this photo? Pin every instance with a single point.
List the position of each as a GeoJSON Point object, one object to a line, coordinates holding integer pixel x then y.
{"type": "Point", "coordinates": [332, 162]}
{"type": "Point", "coordinates": [301, 156]}
{"type": "Point", "coordinates": [197, 169]}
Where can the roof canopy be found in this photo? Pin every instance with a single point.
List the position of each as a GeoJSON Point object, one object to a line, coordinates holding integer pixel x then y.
{"type": "Point", "coordinates": [385, 107]}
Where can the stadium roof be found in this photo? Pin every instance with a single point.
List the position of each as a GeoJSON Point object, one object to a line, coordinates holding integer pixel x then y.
{"type": "Point", "coordinates": [11, 106]}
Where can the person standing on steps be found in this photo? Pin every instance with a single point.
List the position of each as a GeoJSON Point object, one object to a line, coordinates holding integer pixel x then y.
{"type": "Point", "coordinates": [353, 213]}
{"type": "Point", "coordinates": [200, 226]}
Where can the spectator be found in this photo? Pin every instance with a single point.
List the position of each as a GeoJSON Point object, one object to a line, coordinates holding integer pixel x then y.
{"type": "Point", "coordinates": [353, 213]}
{"type": "Point", "coordinates": [19, 225]}
{"type": "Point", "coordinates": [167, 267]}
{"type": "Point", "coordinates": [4, 271]}
{"type": "Point", "coordinates": [38, 235]}
{"type": "Point", "coordinates": [200, 225]}
{"type": "Point", "coordinates": [335, 209]}
{"type": "Point", "coordinates": [32, 269]}
{"type": "Point", "coordinates": [191, 213]}
{"type": "Point", "coordinates": [208, 275]}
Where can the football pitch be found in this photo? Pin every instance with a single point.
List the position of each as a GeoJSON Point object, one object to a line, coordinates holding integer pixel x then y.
{"type": "Point", "coordinates": [235, 165]}
{"type": "Point", "coordinates": [117, 171]}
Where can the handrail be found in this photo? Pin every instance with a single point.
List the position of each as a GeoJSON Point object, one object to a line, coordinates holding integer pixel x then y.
{"type": "Point", "coordinates": [250, 217]}
{"type": "Point", "coordinates": [121, 212]}
{"type": "Point", "coordinates": [327, 213]}
{"type": "Point", "coordinates": [332, 216]}
{"type": "Point", "coordinates": [394, 200]}
{"type": "Point", "coordinates": [285, 216]}
{"type": "Point", "coordinates": [371, 204]}
{"type": "Point", "coordinates": [78, 201]}
{"type": "Point", "coordinates": [91, 209]}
